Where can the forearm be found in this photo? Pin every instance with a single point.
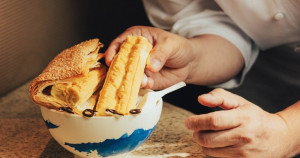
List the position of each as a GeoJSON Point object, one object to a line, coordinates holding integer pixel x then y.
{"type": "Point", "coordinates": [216, 60]}
{"type": "Point", "coordinates": [292, 118]}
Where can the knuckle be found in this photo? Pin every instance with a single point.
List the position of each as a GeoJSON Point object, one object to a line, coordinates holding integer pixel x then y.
{"type": "Point", "coordinates": [213, 121]}
{"type": "Point", "coordinates": [168, 40]}
{"type": "Point", "coordinates": [204, 141]}
{"type": "Point", "coordinates": [217, 92]}
{"type": "Point", "coordinates": [160, 50]}
{"type": "Point", "coordinates": [245, 138]}
{"type": "Point", "coordinates": [241, 153]}
{"type": "Point", "coordinates": [195, 125]}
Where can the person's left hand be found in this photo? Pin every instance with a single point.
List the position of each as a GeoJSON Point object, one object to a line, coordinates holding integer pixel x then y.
{"type": "Point", "coordinates": [241, 130]}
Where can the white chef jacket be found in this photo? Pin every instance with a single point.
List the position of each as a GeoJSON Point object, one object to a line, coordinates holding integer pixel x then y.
{"type": "Point", "coordinates": [249, 25]}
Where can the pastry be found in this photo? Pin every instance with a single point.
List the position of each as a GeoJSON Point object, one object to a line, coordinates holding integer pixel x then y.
{"type": "Point", "coordinates": [76, 82]}
{"type": "Point", "coordinates": [121, 87]}
{"type": "Point", "coordinates": [71, 81]}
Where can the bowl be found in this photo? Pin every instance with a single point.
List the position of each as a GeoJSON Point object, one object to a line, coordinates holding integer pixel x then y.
{"type": "Point", "coordinates": [102, 136]}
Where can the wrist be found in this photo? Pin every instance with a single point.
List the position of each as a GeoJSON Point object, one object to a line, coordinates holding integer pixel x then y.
{"type": "Point", "coordinates": [195, 53]}
{"type": "Point", "coordinates": [291, 117]}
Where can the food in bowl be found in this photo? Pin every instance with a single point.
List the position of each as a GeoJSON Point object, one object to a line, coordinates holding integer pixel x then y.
{"type": "Point", "coordinates": [92, 111]}
{"type": "Point", "coordinates": [72, 80]}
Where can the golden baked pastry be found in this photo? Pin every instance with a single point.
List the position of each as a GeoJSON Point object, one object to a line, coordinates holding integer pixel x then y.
{"type": "Point", "coordinates": [121, 87]}
{"type": "Point", "coordinates": [71, 80]}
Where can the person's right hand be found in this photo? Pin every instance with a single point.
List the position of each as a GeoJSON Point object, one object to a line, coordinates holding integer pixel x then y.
{"type": "Point", "coordinates": [170, 58]}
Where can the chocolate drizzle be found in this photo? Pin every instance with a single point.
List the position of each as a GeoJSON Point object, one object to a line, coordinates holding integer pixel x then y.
{"type": "Point", "coordinates": [113, 111]}
{"type": "Point", "coordinates": [88, 112]}
{"type": "Point", "coordinates": [135, 111]}
{"type": "Point", "coordinates": [66, 109]}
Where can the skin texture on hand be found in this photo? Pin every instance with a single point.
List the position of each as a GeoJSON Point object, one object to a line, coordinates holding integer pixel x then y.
{"type": "Point", "coordinates": [202, 60]}
{"type": "Point", "coordinates": [242, 129]}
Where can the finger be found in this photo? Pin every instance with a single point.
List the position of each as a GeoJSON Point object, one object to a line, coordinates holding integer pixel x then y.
{"type": "Point", "coordinates": [228, 151]}
{"type": "Point", "coordinates": [216, 139]}
{"type": "Point", "coordinates": [144, 81]}
{"type": "Point", "coordinates": [150, 83]}
{"type": "Point", "coordinates": [159, 54]}
{"type": "Point", "coordinates": [157, 59]}
{"type": "Point", "coordinates": [113, 48]}
{"type": "Point", "coordinates": [222, 98]}
{"type": "Point", "coordinates": [219, 120]}
{"type": "Point", "coordinates": [116, 43]}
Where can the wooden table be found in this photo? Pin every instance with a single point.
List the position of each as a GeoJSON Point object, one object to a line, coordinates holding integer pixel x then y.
{"type": "Point", "coordinates": [24, 134]}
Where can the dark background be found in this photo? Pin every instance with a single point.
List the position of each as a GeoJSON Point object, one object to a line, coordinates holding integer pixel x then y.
{"type": "Point", "coordinates": [33, 33]}
{"type": "Point", "coordinates": [107, 19]}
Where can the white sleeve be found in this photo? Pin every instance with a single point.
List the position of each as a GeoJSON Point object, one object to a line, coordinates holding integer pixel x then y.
{"type": "Point", "coordinates": [190, 18]}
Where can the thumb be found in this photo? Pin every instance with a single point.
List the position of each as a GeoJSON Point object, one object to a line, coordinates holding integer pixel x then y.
{"type": "Point", "coordinates": [222, 98]}
{"type": "Point", "coordinates": [158, 57]}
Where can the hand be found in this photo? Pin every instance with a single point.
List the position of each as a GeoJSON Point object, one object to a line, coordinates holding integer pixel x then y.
{"type": "Point", "coordinates": [241, 130]}
{"type": "Point", "coordinates": [169, 60]}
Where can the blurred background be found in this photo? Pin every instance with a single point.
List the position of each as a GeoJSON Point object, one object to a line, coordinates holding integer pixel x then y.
{"type": "Point", "coordinates": [33, 32]}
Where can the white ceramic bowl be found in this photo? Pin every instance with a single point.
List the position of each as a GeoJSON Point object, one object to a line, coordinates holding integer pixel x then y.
{"type": "Point", "coordinates": [101, 136]}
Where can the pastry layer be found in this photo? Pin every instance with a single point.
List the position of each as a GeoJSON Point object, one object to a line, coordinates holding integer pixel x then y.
{"type": "Point", "coordinates": [76, 91]}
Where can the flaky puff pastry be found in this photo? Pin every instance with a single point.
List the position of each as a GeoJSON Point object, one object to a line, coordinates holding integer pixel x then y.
{"type": "Point", "coordinates": [121, 87]}
{"type": "Point", "coordinates": [71, 79]}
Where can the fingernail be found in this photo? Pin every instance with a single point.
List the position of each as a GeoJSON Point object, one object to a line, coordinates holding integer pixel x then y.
{"type": "Point", "coordinates": [155, 64]}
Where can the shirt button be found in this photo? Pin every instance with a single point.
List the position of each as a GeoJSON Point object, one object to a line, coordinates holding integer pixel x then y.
{"type": "Point", "coordinates": [278, 16]}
